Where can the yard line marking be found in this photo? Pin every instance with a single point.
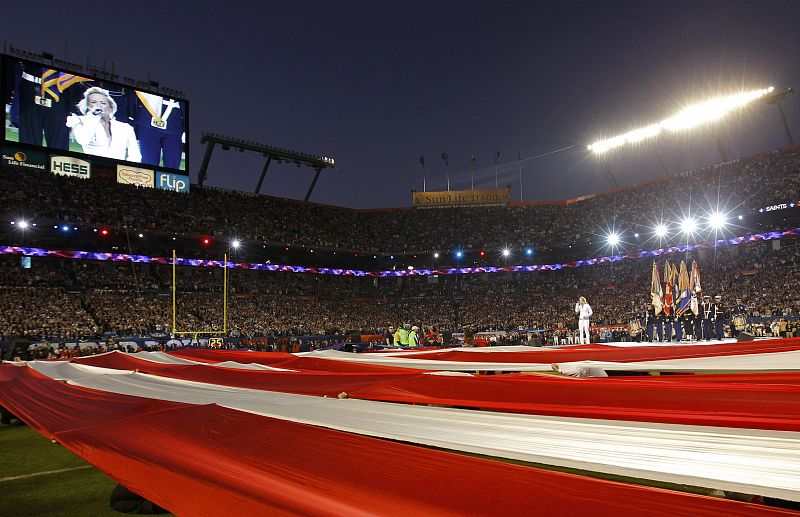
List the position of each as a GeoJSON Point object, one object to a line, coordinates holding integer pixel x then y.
{"type": "Point", "coordinates": [44, 473]}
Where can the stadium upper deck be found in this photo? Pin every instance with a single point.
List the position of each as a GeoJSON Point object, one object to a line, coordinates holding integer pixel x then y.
{"type": "Point", "coordinates": [68, 212]}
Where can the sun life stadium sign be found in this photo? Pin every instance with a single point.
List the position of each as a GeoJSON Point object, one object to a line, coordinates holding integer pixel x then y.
{"type": "Point", "coordinates": [500, 196]}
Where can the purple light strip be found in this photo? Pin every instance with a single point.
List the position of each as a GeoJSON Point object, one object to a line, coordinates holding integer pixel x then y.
{"type": "Point", "coordinates": [122, 257]}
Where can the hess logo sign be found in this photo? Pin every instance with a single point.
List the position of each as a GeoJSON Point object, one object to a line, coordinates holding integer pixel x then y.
{"type": "Point", "coordinates": [68, 166]}
{"type": "Point", "coordinates": [174, 182]}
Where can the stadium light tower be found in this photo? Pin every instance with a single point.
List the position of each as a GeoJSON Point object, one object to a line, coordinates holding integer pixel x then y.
{"type": "Point", "coordinates": [776, 98]}
{"type": "Point", "coordinates": [690, 117]}
{"type": "Point", "coordinates": [609, 175]}
{"type": "Point", "coordinates": [269, 152]}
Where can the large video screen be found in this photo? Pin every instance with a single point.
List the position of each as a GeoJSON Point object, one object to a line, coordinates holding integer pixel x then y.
{"type": "Point", "coordinates": [61, 110]}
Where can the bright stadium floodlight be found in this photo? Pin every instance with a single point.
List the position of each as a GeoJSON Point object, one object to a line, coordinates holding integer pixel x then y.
{"type": "Point", "coordinates": [631, 137]}
{"type": "Point", "coordinates": [661, 230]}
{"type": "Point", "coordinates": [717, 221]}
{"type": "Point", "coordinates": [235, 244]}
{"type": "Point", "coordinates": [22, 224]}
{"type": "Point", "coordinates": [436, 255]}
{"type": "Point", "coordinates": [688, 226]}
{"type": "Point", "coordinates": [506, 252]}
{"type": "Point", "coordinates": [711, 110]}
{"type": "Point", "coordinates": [612, 239]}
{"type": "Point", "coordinates": [687, 118]}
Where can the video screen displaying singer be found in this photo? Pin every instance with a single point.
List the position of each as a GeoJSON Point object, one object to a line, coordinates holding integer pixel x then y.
{"type": "Point", "coordinates": [62, 110]}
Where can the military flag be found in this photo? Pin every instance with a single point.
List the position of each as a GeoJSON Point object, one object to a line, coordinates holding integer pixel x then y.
{"type": "Point", "coordinates": [656, 294]}
{"type": "Point", "coordinates": [694, 288]}
{"type": "Point", "coordinates": [684, 294]}
{"type": "Point", "coordinates": [667, 288]}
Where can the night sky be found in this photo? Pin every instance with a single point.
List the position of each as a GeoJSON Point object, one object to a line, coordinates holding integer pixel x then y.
{"type": "Point", "coordinates": [377, 84]}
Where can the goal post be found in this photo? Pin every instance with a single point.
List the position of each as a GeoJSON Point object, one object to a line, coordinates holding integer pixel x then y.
{"type": "Point", "coordinates": [175, 330]}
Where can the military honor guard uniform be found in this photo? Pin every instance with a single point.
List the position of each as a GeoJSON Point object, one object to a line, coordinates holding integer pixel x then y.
{"type": "Point", "coordinates": [159, 124]}
{"type": "Point", "coordinates": [720, 316]}
{"type": "Point", "coordinates": [706, 315]}
{"type": "Point", "coordinates": [653, 324]}
{"type": "Point", "coordinates": [42, 100]}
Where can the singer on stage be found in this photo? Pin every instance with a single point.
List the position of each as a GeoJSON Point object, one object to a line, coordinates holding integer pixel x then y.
{"type": "Point", "coordinates": [97, 130]}
{"type": "Point", "coordinates": [584, 312]}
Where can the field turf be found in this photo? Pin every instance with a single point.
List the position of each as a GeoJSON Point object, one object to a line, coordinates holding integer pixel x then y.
{"type": "Point", "coordinates": [27, 489]}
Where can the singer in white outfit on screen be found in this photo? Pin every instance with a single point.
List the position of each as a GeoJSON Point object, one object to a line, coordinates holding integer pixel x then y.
{"type": "Point", "coordinates": [99, 133]}
{"type": "Point", "coordinates": [584, 312]}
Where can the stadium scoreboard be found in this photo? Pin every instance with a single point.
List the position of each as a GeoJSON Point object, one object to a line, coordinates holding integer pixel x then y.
{"type": "Point", "coordinates": [64, 121]}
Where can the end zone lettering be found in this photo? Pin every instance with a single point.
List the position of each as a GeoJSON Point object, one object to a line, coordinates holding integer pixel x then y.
{"type": "Point", "coordinates": [68, 166]}
{"type": "Point", "coordinates": [174, 182]}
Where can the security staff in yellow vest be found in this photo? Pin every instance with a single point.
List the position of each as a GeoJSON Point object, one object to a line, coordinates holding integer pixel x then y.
{"type": "Point", "coordinates": [397, 335]}
{"type": "Point", "coordinates": [403, 331]}
{"type": "Point", "coordinates": [413, 337]}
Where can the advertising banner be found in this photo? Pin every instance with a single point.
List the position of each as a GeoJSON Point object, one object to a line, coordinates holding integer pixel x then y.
{"type": "Point", "coordinates": [24, 159]}
{"type": "Point", "coordinates": [69, 166]}
{"type": "Point", "coordinates": [174, 182]}
{"type": "Point", "coordinates": [500, 196]}
{"type": "Point", "coordinates": [130, 175]}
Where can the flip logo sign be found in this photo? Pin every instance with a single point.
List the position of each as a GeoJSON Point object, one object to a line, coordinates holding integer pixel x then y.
{"type": "Point", "coordinates": [174, 182]}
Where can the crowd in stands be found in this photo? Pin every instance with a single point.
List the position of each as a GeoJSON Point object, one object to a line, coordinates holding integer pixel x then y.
{"type": "Point", "coordinates": [743, 184]}
{"type": "Point", "coordinates": [66, 299]}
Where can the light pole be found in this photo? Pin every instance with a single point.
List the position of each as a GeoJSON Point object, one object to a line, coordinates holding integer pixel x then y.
{"type": "Point", "coordinates": [447, 168]}
{"type": "Point", "coordinates": [496, 157]}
